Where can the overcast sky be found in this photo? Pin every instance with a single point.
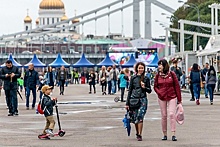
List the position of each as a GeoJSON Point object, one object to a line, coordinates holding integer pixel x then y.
{"type": "Point", "coordinates": [13, 12]}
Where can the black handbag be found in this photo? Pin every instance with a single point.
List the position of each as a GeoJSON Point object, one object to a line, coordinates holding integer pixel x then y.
{"type": "Point", "coordinates": [136, 93]}
{"type": "Point", "coordinates": [135, 103]}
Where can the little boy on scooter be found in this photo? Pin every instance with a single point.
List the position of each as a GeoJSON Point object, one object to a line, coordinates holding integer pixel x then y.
{"type": "Point", "coordinates": [47, 106]}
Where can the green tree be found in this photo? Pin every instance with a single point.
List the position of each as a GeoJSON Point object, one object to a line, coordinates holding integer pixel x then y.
{"type": "Point", "coordinates": [191, 13]}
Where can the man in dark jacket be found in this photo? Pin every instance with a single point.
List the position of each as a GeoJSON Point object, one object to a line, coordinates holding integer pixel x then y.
{"type": "Point", "coordinates": [31, 82]}
{"type": "Point", "coordinates": [9, 75]}
{"type": "Point", "coordinates": [204, 72]}
{"type": "Point", "coordinates": [62, 77]}
{"type": "Point", "coordinates": [177, 70]}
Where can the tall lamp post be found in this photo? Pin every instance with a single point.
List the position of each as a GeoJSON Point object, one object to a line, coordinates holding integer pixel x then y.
{"type": "Point", "coordinates": [166, 25]}
{"type": "Point", "coordinates": [194, 6]}
{"type": "Point", "coordinates": [172, 19]}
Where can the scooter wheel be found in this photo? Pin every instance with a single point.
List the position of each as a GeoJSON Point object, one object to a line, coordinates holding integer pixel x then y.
{"type": "Point", "coordinates": [116, 99]}
{"type": "Point", "coordinates": [61, 133]}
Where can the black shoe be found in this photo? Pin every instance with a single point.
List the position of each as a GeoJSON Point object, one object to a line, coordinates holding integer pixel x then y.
{"type": "Point", "coordinates": [90, 92]}
{"type": "Point", "coordinates": [139, 137]}
{"type": "Point", "coordinates": [206, 97]}
{"type": "Point", "coordinates": [10, 114]}
{"type": "Point", "coordinates": [192, 99]}
{"type": "Point", "coordinates": [103, 93]}
{"type": "Point", "coordinates": [174, 138]}
{"type": "Point", "coordinates": [16, 113]}
{"type": "Point", "coordinates": [164, 138]}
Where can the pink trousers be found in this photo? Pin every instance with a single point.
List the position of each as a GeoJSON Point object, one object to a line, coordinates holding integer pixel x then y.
{"type": "Point", "coordinates": [171, 107]}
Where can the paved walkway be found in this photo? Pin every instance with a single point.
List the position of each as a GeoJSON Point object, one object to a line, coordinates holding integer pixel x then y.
{"type": "Point", "coordinates": [93, 120]}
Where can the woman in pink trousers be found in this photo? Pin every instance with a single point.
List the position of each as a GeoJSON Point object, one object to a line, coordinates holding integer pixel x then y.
{"type": "Point", "coordinates": [168, 90]}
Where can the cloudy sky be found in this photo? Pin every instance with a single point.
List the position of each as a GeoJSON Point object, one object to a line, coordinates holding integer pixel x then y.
{"type": "Point", "coordinates": [13, 12]}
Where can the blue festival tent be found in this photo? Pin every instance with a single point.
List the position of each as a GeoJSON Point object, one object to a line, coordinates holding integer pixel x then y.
{"type": "Point", "coordinates": [131, 62]}
{"type": "Point", "coordinates": [106, 62]}
{"type": "Point", "coordinates": [154, 62]}
{"type": "Point", "coordinates": [36, 62]}
{"type": "Point", "coordinates": [15, 63]}
{"type": "Point", "coordinates": [83, 62]}
{"type": "Point", "coordinates": [58, 62]}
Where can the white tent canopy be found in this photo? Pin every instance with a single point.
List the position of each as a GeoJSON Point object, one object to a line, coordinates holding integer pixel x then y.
{"type": "Point", "coordinates": [212, 47]}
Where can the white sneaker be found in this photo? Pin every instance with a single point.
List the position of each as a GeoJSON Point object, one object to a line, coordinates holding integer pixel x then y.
{"type": "Point", "coordinates": [48, 131]}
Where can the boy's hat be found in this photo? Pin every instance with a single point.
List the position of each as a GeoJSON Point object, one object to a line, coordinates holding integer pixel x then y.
{"type": "Point", "coordinates": [45, 88]}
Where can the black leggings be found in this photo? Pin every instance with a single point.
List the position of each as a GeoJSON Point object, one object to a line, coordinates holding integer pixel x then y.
{"type": "Point", "coordinates": [104, 86]}
{"type": "Point", "coordinates": [122, 93]}
{"type": "Point", "coordinates": [90, 88]}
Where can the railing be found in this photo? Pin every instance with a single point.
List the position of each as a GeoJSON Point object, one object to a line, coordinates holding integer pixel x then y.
{"type": "Point", "coordinates": [28, 56]}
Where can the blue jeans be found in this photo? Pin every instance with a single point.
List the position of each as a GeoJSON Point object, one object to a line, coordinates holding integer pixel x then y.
{"type": "Point", "coordinates": [206, 90]}
{"type": "Point", "coordinates": [114, 86]}
{"type": "Point", "coordinates": [211, 88]}
{"type": "Point", "coordinates": [28, 92]}
{"type": "Point", "coordinates": [66, 83]}
{"type": "Point", "coordinates": [109, 87]}
{"type": "Point", "coordinates": [196, 90]}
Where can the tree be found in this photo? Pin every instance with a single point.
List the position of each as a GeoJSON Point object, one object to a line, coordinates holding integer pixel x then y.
{"type": "Point", "coordinates": [192, 14]}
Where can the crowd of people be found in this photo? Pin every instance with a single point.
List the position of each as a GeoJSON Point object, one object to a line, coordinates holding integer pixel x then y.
{"type": "Point", "coordinates": [166, 81]}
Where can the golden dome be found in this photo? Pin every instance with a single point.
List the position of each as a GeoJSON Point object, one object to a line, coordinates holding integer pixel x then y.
{"type": "Point", "coordinates": [51, 4]}
{"type": "Point", "coordinates": [64, 17]}
{"type": "Point", "coordinates": [27, 19]}
{"type": "Point", "coordinates": [75, 20]}
{"type": "Point", "coordinates": [37, 21]}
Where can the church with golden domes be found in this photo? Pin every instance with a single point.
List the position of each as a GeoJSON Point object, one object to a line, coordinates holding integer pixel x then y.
{"type": "Point", "coordinates": [50, 12]}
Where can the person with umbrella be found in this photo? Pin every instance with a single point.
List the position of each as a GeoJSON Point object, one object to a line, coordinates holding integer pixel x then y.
{"type": "Point", "coordinates": [137, 98]}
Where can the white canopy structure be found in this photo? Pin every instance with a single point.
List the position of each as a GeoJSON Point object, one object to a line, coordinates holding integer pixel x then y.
{"type": "Point", "coordinates": [212, 47]}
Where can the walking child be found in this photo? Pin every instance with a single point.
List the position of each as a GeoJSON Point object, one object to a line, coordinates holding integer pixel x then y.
{"type": "Point", "coordinates": [47, 106]}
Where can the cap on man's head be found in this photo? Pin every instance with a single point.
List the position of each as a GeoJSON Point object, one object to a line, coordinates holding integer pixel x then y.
{"type": "Point", "coordinates": [174, 60]}
{"type": "Point", "coordinates": [45, 88]}
{"type": "Point", "coordinates": [207, 63]}
{"type": "Point", "coordinates": [8, 62]}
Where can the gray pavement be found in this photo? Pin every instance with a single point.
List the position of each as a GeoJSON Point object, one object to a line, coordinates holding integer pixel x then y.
{"type": "Point", "coordinates": [93, 120]}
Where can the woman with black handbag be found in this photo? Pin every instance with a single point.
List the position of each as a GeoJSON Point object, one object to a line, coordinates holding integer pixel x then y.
{"type": "Point", "coordinates": [137, 98]}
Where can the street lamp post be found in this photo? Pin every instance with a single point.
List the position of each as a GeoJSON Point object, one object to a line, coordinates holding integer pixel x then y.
{"type": "Point", "coordinates": [172, 19]}
{"type": "Point", "coordinates": [191, 5]}
{"type": "Point", "coordinates": [166, 26]}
